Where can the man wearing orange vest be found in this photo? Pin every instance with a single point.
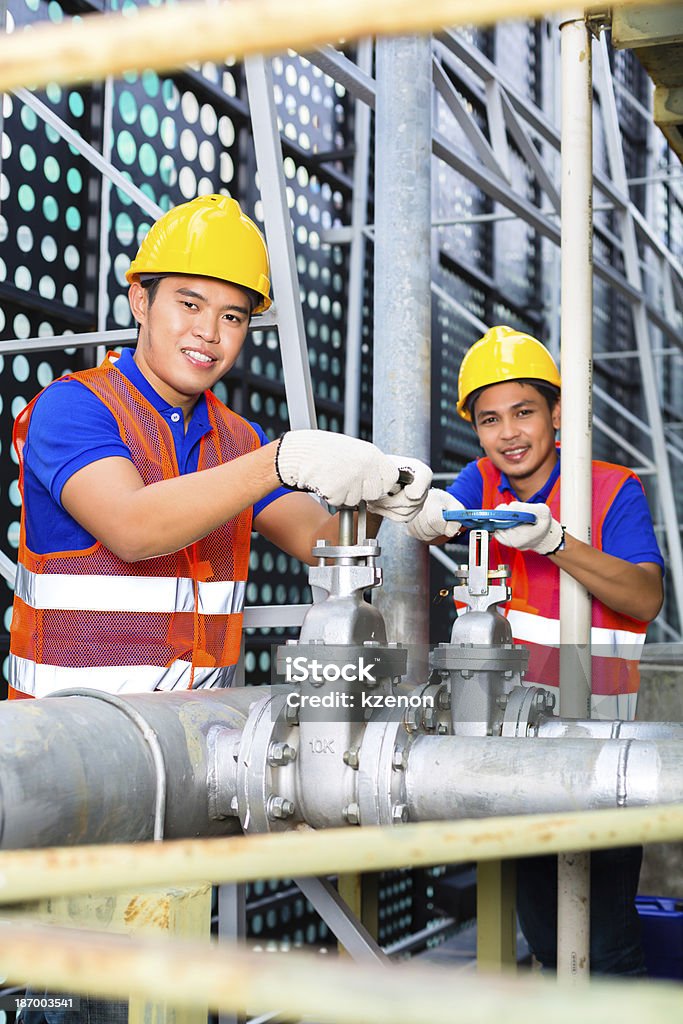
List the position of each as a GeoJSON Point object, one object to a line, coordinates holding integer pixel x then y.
{"type": "Point", "coordinates": [509, 390]}
{"type": "Point", "coordinates": [140, 488]}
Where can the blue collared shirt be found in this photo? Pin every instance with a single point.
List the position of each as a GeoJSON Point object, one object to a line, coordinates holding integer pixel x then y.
{"type": "Point", "coordinates": [627, 531]}
{"type": "Point", "coordinates": [71, 428]}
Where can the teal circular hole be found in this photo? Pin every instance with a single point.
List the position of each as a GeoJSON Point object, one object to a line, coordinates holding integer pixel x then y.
{"type": "Point", "coordinates": [48, 248]}
{"type": "Point", "coordinates": [20, 368]}
{"type": "Point", "coordinates": [24, 238]}
{"type": "Point", "coordinates": [33, 5]}
{"type": "Point", "coordinates": [50, 209]}
{"type": "Point", "coordinates": [74, 180]}
{"type": "Point", "coordinates": [28, 119]}
{"type": "Point", "coordinates": [167, 170]}
{"type": "Point", "coordinates": [149, 120]}
{"type": "Point", "coordinates": [76, 104]}
{"type": "Point", "coordinates": [121, 311]}
{"type": "Point", "coordinates": [13, 494]}
{"type": "Point", "coordinates": [170, 94]}
{"type": "Point", "coordinates": [72, 258]}
{"type": "Point", "coordinates": [46, 287]}
{"type": "Point", "coordinates": [128, 107]}
{"type": "Point", "coordinates": [51, 169]}
{"type": "Point", "coordinates": [26, 197]}
{"type": "Point", "coordinates": [52, 90]}
{"type": "Point", "coordinates": [45, 374]}
{"type": "Point", "coordinates": [70, 295]}
{"type": "Point", "coordinates": [27, 157]}
{"type": "Point", "coordinates": [54, 11]}
{"type": "Point", "coordinates": [123, 226]}
{"type": "Point", "coordinates": [150, 83]}
{"type": "Point", "coordinates": [125, 147]}
{"type": "Point", "coordinates": [22, 278]}
{"type": "Point", "coordinates": [168, 132]}
{"type": "Point", "coordinates": [13, 535]}
{"type": "Point", "coordinates": [73, 218]}
{"type": "Point", "coordinates": [147, 159]}
{"type": "Point", "coordinates": [18, 403]}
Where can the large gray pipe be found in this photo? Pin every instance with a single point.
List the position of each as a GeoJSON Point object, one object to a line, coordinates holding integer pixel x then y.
{"type": "Point", "coordinates": [77, 770]}
{"type": "Point", "coordinates": [474, 777]}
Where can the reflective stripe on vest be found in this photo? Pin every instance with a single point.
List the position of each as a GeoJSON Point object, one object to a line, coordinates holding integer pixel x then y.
{"type": "Point", "coordinates": [127, 593]}
{"type": "Point", "coordinates": [616, 640]}
{"type": "Point", "coordinates": [42, 680]}
{"type": "Point", "coordinates": [87, 618]}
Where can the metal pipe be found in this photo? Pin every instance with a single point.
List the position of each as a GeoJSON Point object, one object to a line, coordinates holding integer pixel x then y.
{"type": "Point", "coordinates": [576, 331]}
{"type": "Point", "coordinates": [576, 353]}
{"type": "Point", "coordinates": [41, 874]}
{"type": "Point", "coordinates": [357, 253]}
{"type": "Point", "coordinates": [66, 763]}
{"type": "Point", "coordinates": [557, 728]}
{"type": "Point", "coordinates": [482, 776]}
{"type": "Point", "coordinates": [402, 307]}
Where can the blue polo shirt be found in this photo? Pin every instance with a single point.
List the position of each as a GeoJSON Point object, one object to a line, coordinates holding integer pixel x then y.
{"type": "Point", "coordinates": [627, 531]}
{"type": "Point", "coordinates": [70, 428]}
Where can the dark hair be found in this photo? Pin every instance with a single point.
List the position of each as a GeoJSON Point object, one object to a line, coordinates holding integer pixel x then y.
{"type": "Point", "coordinates": [549, 392]}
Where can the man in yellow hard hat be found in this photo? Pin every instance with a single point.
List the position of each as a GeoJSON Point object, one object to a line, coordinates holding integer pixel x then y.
{"type": "Point", "coordinates": [509, 390]}
{"type": "Point", "coordinates": [140, 488]}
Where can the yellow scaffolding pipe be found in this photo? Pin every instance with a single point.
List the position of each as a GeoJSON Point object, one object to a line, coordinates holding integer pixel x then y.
{"type": "Point", "coordinates": [168, 37]}
{"type": "Point", "coordinates": [34, 874]}
{"type": "Point", "coordinates": [303, 985]}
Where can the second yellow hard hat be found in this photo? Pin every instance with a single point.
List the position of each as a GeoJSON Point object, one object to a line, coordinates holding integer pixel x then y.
{"type": "Point", "coordinates": [503, 354]}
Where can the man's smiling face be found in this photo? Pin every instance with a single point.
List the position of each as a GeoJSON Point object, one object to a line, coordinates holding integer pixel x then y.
{"type": "Point", "coordinates": [190, 334]}
{"type": "Point", "coordinates": [516, 429]}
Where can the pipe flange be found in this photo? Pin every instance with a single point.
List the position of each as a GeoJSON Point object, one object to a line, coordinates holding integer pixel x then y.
{"type": "Point", "coordinates": [384, 751]}
{"type": "Point", "coordinates": [266, 783]}
{"type": "Point", "coordinates": [479, 658]}
{"type": "Point", "coordinates": [525, 707]}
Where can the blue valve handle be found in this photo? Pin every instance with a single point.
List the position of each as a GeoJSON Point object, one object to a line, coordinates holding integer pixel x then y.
{"type": "Point", "coordinates": [489, 519]}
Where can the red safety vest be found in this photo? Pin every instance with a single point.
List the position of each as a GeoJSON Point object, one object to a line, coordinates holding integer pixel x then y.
{"type": "Point", "coordinates": [87, 618]}
{"type": "Point", "coordinates": [534, 610]}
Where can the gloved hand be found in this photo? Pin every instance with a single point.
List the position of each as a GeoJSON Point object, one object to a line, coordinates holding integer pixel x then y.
{"type": "Point", "coordinates": [341, 469]}
{"type": "Point", "coordinates": [429, 523]}
{"type": "Point", "coordinates": [544, 536]}
{"type": "Point", "coordinates": [404, 504]}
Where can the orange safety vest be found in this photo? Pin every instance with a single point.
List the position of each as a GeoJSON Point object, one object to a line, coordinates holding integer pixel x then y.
{"type": "Point", "coordinates": [87, 618]}
{"type": "Point", "coordinates": [534, 610]}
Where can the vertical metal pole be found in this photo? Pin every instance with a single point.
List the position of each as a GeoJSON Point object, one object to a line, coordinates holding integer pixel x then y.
{"type": "Point", "coordinates": [359, 216]}
{"type": "Point", "coordinates": [232, 927]}
{"type": "Point", "coordinates": [402, 313]}
{"type": "Point", "coordinates": [667, 498]}
{"type": "Point", "coordinates": [105, 210]}
{"type": "Point", "coordinates": [277, 223]}
{"type": "Point", "coordinates": [573, 911]}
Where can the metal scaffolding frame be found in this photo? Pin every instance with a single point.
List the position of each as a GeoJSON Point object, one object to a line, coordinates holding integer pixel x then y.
{"type": "Point", "coordinates": [459, 68]}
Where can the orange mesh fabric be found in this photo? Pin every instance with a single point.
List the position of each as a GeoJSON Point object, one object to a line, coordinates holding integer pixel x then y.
{"type": "Point", "coordinates": [106, 638]}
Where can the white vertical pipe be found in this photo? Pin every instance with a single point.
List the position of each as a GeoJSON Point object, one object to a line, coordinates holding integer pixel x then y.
{"type": "Point", "coordinates": [576, 328]}
{"type": "Point", "coordinates": [359, 217]}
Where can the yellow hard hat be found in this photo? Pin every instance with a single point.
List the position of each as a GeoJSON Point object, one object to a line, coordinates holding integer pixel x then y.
{"type": "Point", "coordinates": [207, 237]}
{"type": "Point", "coordinates": [503, 354]}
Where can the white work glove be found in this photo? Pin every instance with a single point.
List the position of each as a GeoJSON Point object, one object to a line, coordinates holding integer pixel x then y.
{"type": "Point", "coordinates": [429, 523]}
{"type": "Point", "coordinates": [544, 536]}
{"type": "Point", "coordinates": [404, 504]}
{"type": "Point", "coordinates": [342, 470]}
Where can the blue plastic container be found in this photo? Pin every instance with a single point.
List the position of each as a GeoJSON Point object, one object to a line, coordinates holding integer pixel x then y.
{"type": "Point", "coordinates": [661, 920]}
